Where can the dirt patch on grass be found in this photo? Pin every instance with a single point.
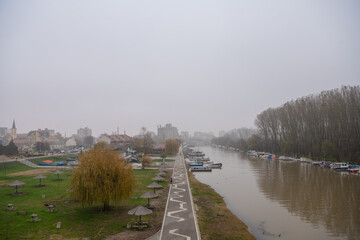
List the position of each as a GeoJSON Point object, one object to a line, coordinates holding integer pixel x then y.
{"type": "Point", "coordinates": [4, 183]}
{"type": "Point", "coordinates": [215, 220]}
{"type": "Point", "coordinates": [4, 157]}
{"type": "Point", "coordinates": [133, 235]}
{"type": "Point", "coordinates": [32, 172]}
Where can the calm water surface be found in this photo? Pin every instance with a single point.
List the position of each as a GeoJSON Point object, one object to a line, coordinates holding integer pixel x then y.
{"type": "Point", "coordinates": [286, 200]}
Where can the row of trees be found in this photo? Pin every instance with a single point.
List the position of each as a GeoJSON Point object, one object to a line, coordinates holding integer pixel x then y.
{"type": "Point", "coordinates": [9, 150]}
{"type": "Point", "coordinates": [323, 125]}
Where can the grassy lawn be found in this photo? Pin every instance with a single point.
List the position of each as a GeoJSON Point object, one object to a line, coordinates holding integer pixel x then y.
{"type": "Point", "coordinates": [214, 218]}
{"type": "Point", "coordinates": [77, 221]}
{"type": "Point", "coordinates": [61, 158]}
{"type": "Point", "coordinates": [10, 167]}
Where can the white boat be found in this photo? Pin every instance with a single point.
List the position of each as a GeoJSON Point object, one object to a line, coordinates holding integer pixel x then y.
{"type": "Point", "coordinates": [252, 153]}
{"type": "Point", "coordinates": [340, 166]}
{"type": "Point", "coordinates": [316, 163]}
{"type": "Point", "coordinates": [201, 169]}
{"type": "Point", "coordinates": [284, 158]}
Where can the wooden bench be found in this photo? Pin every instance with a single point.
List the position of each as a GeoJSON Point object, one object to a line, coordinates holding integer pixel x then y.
{"type": "Point", "coordinates": [140, 227]}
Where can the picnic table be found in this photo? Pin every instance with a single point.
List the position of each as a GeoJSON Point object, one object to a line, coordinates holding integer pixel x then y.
{"type": "Point", "coordinates": [34, 218]}
{"type": "Point", "coordinates": [51, 208]}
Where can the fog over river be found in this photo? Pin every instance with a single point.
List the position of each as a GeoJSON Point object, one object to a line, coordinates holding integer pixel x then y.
{"type": "Point", "coordinates": [286, 200]}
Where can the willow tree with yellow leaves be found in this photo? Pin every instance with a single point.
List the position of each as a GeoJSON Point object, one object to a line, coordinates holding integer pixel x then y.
{"type": "Point", "coordinates": [102, 177]}
{"type": "Point", "coordinates": [171, 146]}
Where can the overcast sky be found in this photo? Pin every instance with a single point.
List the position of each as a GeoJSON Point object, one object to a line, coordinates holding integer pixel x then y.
{"type": "Point", "coordinates": [200, 65]}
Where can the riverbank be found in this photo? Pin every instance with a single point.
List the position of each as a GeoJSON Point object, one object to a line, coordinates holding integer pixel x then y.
{"type": "Point", "coordinates": [215, 220]}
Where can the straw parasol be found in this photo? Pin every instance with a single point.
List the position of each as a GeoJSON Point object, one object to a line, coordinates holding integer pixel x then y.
{"type": "Point", "coordinates": [149, 195]}
{"type": "Point", "coordinates": [154, 185]}
{"type": "Point", "coordinates": [16, 183]}
{"type": "Point", "coordinates": [58, 172]}
{"type": "Point", "coordinates": [139, 211]}
{"type": "Point", "coordinates": [158, 178]}
{"type": "Point", "coordinates": [40, 177]}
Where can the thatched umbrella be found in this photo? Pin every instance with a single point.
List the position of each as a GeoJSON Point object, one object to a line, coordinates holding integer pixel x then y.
{"type": "Point", "coordinates": [58, 172]}
{"type": "Point", "coordinates": [139, 211]}
{"type": "Point", "coordinates": [16, 183]}
{"type": "Point", "coordinates": [154, 185]}
{"type": "Point", "coordinates": [149, 195]}
{"type": "Point", "coordinates": [40, 177]}
{"type": "Point", "coordinates": [158, 178]}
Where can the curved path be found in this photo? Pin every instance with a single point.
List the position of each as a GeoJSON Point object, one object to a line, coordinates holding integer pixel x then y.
{"type": "Point", "coordinates": [179, 218]}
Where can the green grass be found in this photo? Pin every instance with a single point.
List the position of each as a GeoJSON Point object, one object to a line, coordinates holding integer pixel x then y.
{"type": "Point", "coordinates": [10, 167]}
{"type": "Point", "coordinates": [77, 221]}
{"type": "Point", "coordinates": [61, 158]}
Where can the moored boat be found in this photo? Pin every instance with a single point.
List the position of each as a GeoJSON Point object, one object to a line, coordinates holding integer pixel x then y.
{"type": "Point", "coordinates": [201, 169]}
{"type": "Point", "coordinates": [284, 158]}
{"type": "Point", "coordinates": [326, 164]}
{"type": "Point", "coordinates": [340, 166]}
{"type": "Point", "coordinates": [196, 164]}
{"type": "Point", "coordinates": [354, 169]}
{"type": "Point", "coordinates": [216, 165]}
{"type": "Point", "coordinates": [316, 163]}
{"type": "Point", "coordinates": [196, 154]}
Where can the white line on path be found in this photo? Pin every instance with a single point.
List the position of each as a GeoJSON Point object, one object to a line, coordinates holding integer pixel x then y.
{"type": "Point", "coordinates": [180, 235]}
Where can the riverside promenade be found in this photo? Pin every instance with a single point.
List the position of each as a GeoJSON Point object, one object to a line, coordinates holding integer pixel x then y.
{"type": "Point", "coordinates": [179, 218]}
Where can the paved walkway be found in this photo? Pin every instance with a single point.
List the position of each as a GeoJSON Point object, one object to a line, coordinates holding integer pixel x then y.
{"type": "Point", "coordinates": [179, 219]}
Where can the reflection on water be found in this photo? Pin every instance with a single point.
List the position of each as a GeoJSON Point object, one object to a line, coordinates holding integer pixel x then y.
{"type": "Point", "coordinates": [286, 200]}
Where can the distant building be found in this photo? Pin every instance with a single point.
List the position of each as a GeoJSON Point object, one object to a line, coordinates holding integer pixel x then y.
{"type": "Point", "coordinates": [23, 141]}
{"type": "Point", "coordinates": [159, 149]}
{"type": "Point", "coordinates": [13, 130]}
{"type": "Point", "coordinates": [117, 141]}
{"type": "Point", "coordinates": [70, 143]}
{"type": "Point", "coordinates": [84, 132]}
{"type": "Point", "coordinates": [26, 141]}
{"type": "Point", "coordinates": [3, 132]}
{"type": "Point", "coordinates": [42, 135]}
{"type": "Point", "coordinates": [185, 135]}
{"type": "Point", "coordinates": [168, 132]}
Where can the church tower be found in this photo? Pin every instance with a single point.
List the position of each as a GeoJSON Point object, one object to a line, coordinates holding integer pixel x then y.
{"type": "Point", "coordinates": [13, 130]}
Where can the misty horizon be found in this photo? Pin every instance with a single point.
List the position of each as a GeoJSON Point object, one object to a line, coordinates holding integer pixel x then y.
{"type": "Point", "coordinates": [201, 66]}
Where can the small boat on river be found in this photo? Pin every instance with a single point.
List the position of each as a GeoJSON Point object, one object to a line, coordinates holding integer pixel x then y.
{"type": "Point", "coordinates": [196, 154]}
{"type": "Point", "coordinates": [196, 164]}
{"type": "Point", "coordinates": [316, 163]}
{"type": "Point", "coordinates": [216, 165]}
{"type": "Point", "coordinates": [201, 169]}
{"type": "Point", "coordinates": [340, 166]}
{"type": "Point", "coordinates": [284, 158]}
{"type": "Point", "coordinates": [354, 169]}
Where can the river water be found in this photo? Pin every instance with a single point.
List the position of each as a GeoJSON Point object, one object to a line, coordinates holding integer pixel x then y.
{"type": "Point", "coordinates": [286, 200]}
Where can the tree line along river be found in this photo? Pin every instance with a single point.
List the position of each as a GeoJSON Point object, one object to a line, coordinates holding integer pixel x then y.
{"type": "Point", "coordinates": [286, 200]}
